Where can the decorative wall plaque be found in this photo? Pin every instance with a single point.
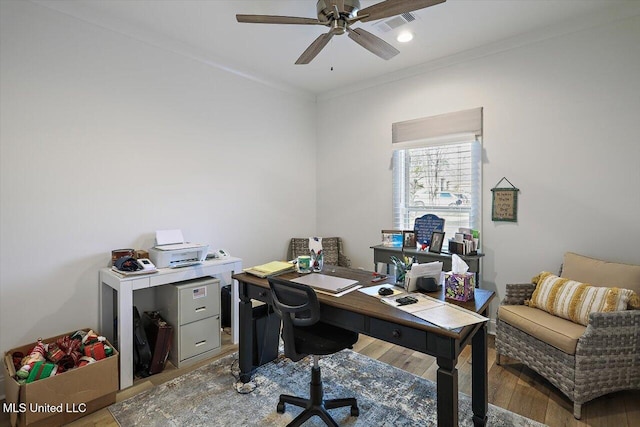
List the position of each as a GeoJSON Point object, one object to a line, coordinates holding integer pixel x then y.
{"type": "Point", "coordinates": [504, 203]}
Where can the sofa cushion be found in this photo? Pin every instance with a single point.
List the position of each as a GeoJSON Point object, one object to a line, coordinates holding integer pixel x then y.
{"type": "Point", "coordinates": [601, 273]}
{"type": "Point", "coordinates": [560, 333]}
{"type": "Point", "coordinates": [574, 300]}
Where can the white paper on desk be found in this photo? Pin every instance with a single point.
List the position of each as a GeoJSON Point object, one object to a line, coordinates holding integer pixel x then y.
{"type": "Point", "coordinates": [441, 313]}
{"type": "Point", "coordinates": [430, 269]}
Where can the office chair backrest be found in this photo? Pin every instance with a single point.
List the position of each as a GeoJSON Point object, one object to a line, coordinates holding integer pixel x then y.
{"type": "Point", "coordinates": [298, 306]}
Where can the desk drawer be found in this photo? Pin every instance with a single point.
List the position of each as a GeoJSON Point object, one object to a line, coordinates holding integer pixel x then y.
{"type": "Point", "coordinates": [397, 334]}
{"type": "Point", "coordinates": [198, 300]}
{"type": "Point", "coordinates": [259, 293]}
{"type": "Point", "coordinates": [199, 337]}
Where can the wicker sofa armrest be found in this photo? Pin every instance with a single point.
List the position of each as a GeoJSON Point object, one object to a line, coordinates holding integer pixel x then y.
{"type": "Point", "coordinates": [518, 293]}
{"type": "Point", "coordinates": [609, 330]}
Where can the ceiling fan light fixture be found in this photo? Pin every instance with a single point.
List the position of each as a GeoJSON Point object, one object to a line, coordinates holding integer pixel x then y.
{"type": "Point", "coordinates": [405, 36]}
{"type": "Point", "coordinates": [339, 15]}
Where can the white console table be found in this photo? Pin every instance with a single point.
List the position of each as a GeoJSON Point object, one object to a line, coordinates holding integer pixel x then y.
{"type": "Point", "coordinates": [117, 288]}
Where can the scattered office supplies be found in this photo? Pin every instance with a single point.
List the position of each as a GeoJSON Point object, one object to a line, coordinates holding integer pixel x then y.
{"type": "Point", "coordinates": [172, 251]}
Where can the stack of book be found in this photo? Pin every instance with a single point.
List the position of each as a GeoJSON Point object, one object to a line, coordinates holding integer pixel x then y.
{"type": "Point", "coordinates": [465, 242]}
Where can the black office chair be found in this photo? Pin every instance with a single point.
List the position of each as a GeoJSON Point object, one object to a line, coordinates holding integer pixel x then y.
{"type": "Point", "coordinates": [304, 334]}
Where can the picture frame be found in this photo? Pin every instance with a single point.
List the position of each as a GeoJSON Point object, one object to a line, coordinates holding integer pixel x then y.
{"type": "Point", "coordinates": [409, 239]}
{"type": "Point", "coordinates": [437, 239]}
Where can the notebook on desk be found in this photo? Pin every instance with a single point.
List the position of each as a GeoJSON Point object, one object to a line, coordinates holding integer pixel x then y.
{"type": "Point", "coordinates": [330, 284]}
{"type": "Point", "coordinates": [270, 268]}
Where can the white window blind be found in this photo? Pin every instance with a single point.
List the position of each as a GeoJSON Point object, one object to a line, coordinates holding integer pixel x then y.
{"type": "Point", "coordinates": [437, 169]}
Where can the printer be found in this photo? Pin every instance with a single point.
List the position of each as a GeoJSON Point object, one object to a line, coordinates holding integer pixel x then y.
{"type": "Point", "coordinates": [171, 251]}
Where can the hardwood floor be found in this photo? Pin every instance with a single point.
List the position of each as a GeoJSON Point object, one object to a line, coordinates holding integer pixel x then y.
{"type": "Point", "coordinates": [511, 386]}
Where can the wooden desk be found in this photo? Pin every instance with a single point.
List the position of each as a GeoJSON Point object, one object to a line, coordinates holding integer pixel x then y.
{"type": "Point", "coordinates": [367, 315]}
{"type": "Point", "coordinates": [383, 254]}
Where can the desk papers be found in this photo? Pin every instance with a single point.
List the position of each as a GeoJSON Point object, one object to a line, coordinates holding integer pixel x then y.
{"type": "Point", "coordinates": [440, 313]}
{"type": "Point", "coordinates": [329, 284]}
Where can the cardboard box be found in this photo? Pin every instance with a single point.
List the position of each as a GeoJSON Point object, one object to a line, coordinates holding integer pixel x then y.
{"type": "Point", "coordinates": [459, 287]}
{"type": "Point", "coordinates": [62, 398]}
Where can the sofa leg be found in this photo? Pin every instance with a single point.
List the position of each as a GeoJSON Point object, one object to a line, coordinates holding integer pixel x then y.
{"type": "Point", "coordinates": [498, 361]}
{"type": "Point", "coordinates": [577, 410]}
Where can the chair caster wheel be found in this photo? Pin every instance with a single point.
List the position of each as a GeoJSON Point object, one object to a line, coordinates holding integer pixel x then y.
{"type": "Point", "coordinates": [355, 411]}
{"type": "Point", "coordinates": [280, 408]}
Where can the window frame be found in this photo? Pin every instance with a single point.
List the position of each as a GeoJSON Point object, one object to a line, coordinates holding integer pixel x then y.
{"type": "Point", "coordinates": [404, 213]}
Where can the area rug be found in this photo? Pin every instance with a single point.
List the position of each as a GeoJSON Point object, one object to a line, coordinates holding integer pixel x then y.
{"type": "Point", "coordinates": [387, 396]}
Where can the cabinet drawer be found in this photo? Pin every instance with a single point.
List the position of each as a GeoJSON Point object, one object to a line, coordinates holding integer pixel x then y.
{"type": "Point", "coordinates": [398, 334]}
{"type": "Point", "coordinates": [198, 300]}
{"type": "Point", "coordinates": [199, 337]}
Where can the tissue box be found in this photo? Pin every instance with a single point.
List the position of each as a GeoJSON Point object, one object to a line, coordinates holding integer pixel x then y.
{"type": "Point", "coordinates": [459, 286]}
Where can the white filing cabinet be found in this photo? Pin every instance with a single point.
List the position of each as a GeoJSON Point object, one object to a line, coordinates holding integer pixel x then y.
{"type": "Point", "coordinates": [192, 307]}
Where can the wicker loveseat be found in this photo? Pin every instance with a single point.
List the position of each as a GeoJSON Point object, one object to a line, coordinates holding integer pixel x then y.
{"type": "Point", "coordinates": [584, 362]}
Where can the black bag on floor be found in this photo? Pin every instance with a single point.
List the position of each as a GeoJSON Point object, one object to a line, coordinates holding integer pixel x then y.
{"type": "Point", "coordinates": [141, 349]}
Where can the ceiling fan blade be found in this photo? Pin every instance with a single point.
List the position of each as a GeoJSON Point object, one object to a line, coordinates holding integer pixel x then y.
{"type": "Point", "coordinates": [272, 19]}
{"type": "Point", "coordinates": [390, 8]}
{"type": "Point", "coordinates": [372, 43]}
{"type": "Point", "coordinates": [314, 49]}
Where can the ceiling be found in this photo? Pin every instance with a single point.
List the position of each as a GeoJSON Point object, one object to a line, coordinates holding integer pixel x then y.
{"type": "Point", "coordinates": [206, 30]}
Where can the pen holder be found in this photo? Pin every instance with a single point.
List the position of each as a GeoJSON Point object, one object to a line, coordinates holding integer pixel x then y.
{"type": "Point", "coordinates": [304, 264]}
{"type": "Point", "coordinates": [317, 262]}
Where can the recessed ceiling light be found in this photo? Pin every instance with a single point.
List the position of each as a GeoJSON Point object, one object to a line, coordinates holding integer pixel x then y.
{"type": "Point", "coordinates": [405, 36]}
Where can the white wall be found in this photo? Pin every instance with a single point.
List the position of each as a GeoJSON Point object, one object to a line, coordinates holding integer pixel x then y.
{"type": "Point", "coordinates": [561, 122]}
{"type": "Point", "coordinates": [105, 140]}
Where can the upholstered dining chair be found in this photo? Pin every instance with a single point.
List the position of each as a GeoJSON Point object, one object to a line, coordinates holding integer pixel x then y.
{"type": "Point", "coordinates": [305, 334]}
{"type": "Point", "coordinates": [332, 248]}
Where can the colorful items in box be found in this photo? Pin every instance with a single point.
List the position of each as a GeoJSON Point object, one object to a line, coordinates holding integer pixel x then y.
{"type": "Point", "coordinates": [69, 352]}
{"type": "Point", "coordinates": [459, 286]}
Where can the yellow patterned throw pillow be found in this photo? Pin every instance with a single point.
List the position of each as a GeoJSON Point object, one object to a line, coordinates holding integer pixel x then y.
{"type": "Point", "coordinates": [575, 300]}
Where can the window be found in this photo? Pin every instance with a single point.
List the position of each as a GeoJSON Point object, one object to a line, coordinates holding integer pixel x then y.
{"type": "Point", "coordinates": [438, 174]}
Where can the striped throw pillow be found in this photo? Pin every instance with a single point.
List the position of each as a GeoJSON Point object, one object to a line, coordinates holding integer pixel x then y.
{"type": "Point", "coordinates": [574, 300]}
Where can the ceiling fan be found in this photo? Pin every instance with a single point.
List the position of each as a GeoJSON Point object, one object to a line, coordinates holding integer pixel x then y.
{"type": "Point", "coordinates": [338, 15]}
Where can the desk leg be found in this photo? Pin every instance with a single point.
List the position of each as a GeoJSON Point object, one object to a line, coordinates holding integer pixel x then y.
{"type": "Point", "coordinates": [125, 334]}
{"type": "Point", "coordinates": [245, 347]}
{"type": "Point", "coordinates": [447, 392]}
{"type": "Point", "coordinates": [479, 377]}
{"type": "Point", "coordinates": [106, 315]}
